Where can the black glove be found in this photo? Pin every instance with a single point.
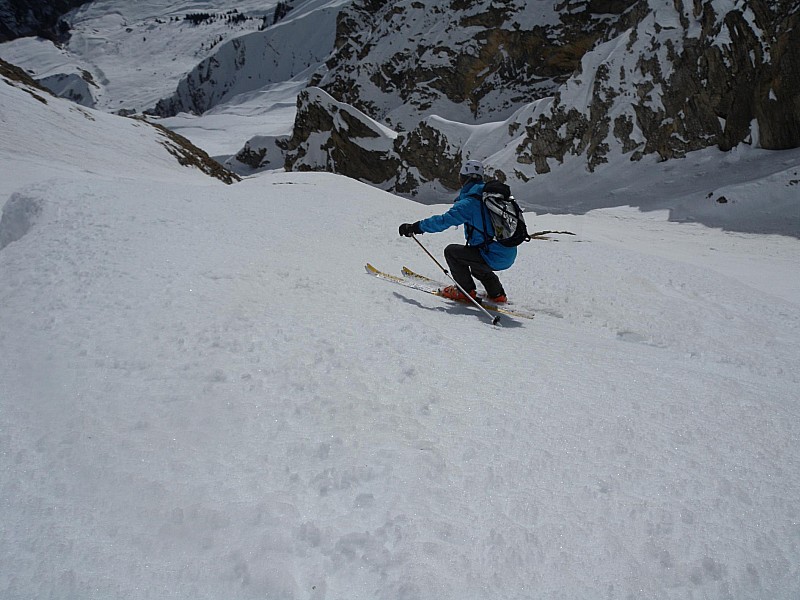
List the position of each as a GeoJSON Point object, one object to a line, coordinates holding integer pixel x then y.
{"type": "Point", "coordinates": [407, 229]}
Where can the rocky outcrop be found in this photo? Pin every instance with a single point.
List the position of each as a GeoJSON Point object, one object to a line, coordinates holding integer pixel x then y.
{"type": "Point", "coordinates": [475, 60]}
{"type": "Point", "coordinates": [189, 155]}
{"type": "Point", "coordinates": [427, 154]}
{"type": "Point", "coordinates": [333, 136]}
{"type": "Point", "coordinates": [776, 91]}
{"type": "Point", "coordinates": [258, 154]}
{"type": "Point", "coordinates": [660, 79]}
{"type": "Point", "coordinates": [424, 162]}
{"type": "Point", "coordinates": [21, 18]}
{"type": "Point", "coordinates": [682, 78]}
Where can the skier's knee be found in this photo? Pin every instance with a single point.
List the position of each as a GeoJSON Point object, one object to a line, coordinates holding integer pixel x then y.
{"type": "Point", "coordinates": [450, 251]}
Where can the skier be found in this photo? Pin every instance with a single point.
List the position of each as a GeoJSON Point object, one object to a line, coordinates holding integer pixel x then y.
{"type": "Point", "coordinates": [481, 256]}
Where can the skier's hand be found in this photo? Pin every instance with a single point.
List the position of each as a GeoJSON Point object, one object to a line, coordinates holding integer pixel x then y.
{"type": "Point", "coordinates": [409, 229]}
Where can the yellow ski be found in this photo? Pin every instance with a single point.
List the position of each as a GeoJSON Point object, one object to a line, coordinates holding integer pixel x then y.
{"type": "Point", "coordinates": [429, 286]}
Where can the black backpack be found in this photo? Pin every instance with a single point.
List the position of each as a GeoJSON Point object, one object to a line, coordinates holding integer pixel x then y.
{"type": "Point", "coordinates": [508, 224]}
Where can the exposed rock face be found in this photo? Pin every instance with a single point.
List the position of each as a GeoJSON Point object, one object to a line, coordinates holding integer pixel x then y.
{"type": "Point", "coordinates": [434, 158]}
{"type": "Point", "coordinates": [661, 78]}
{"type": "Point", "coordinates": [333, 136]}
{"type": "Point", "coordinates": [21, 18]}
{"type": "Point", "coordinates": [475, 59]}
{"type": "Point", "coordinates": [680, 79]}
{"type": "Point", "coordinates": [777, 90]}
{"type": "Point", "coordinates": [259, 153]}
{"type": "Point", "coordinates": [252, 157]}
{"type": "Point", "coordinates": [15, 76]}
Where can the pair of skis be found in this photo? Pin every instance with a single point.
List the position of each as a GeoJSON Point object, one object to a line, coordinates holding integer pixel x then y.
{"type": "Point", "coordinates": [415, 281]}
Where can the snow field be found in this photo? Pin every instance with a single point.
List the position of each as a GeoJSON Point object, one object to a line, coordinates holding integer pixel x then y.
{"type": "Point", "coordinates": [202, 394]}
{"type": "Point", "coordinates": [206, 397]}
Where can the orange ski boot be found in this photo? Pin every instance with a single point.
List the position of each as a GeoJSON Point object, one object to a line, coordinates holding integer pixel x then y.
{"type": "Point", "coordinates": [453, 293]}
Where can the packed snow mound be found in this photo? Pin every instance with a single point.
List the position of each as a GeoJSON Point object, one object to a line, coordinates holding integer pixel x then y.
{"type": "Point", "coordinates": [72, 87]}
{"type": "Point", "coordinates": [769, 203]}
{"type": "Point", "coordinates": [18, 216]}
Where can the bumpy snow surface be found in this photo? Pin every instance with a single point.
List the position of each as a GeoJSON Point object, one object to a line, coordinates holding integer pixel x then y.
{"type": "Point", "coordinates": [203, 395]}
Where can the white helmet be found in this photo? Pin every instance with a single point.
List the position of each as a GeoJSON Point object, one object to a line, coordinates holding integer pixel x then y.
{"type": "Point", "coordinates": [472, 168]}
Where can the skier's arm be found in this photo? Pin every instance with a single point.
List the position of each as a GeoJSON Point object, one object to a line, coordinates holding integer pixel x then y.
{"type": "Point", "coordinates": [457, 215]}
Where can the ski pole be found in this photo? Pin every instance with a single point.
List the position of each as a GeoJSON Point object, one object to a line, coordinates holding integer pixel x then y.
{"type": "Point", "coordinates": [494, 318]}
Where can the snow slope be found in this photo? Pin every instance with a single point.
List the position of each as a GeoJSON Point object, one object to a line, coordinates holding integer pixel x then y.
{"type": "Point", "coordinates": [202, 395]}
{"type": "Point", "coordinates": [129, 56]}
{"type": "Point", "coordinates": [133, 51]}
{"type": "Point", "coordinates": [249, 63]}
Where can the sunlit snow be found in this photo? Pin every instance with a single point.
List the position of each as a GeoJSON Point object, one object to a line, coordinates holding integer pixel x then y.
{"type": "Point", "coordinates": [203, 395]}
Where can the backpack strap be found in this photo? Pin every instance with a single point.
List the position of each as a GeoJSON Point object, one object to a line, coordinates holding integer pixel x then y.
{"type": "Point", "coordinates": [487, 237]}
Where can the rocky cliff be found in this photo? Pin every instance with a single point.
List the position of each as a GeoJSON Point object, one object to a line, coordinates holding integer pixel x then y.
{"type": "Point", "coordinates": [473, 61]}
{"type": "Point", "coordinates": [20, 18]}
{"type": "Point", "coordinates": [525, 88]}
{"type": "Point", "coordinates": [683, 76]}
{"type": "Point", "coordinates": [334, 136]}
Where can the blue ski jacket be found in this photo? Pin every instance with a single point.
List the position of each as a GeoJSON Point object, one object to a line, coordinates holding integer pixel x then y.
{"type": "Point", "coordinates": [469, 211]}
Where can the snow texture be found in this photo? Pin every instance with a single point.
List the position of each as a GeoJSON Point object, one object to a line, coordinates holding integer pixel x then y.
{"type": "Point", "coordinates": [203, 396]}
{"type": "Point", "coordinates": [18, 216]}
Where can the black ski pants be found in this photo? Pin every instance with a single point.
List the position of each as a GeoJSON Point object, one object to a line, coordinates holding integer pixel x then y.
{"type": "Point", "coordinates": [466, 262]}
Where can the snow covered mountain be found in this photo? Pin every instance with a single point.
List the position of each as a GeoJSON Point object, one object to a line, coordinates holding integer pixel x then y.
{"type": "Point", "coordinates": [203, 396]}
{"type": "Point", "coordinates": [29, 130]}
{"type": "Point", "coordinates": [663, 80]}
{"type": "Point", "coordinates": [473, 61]}
{"type": "Point", "coordinates": [546, 93]}
{"type": "Point", "coordinates": [248, 63]}
{"type": "Point", "coordinates": [133, 54]}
